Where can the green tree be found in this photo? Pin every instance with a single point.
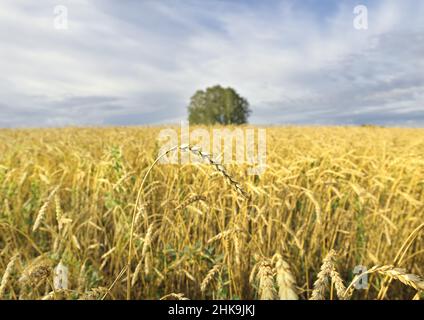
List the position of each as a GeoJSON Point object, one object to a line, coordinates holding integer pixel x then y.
{"type": "Point", "coordinates": [218, 105]}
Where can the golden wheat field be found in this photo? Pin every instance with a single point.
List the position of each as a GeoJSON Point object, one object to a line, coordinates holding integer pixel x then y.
{"type": "Point", "coordinates": [331, 199]}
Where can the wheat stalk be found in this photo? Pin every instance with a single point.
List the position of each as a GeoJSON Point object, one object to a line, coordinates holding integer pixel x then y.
{"type": "Point", "coordinates": [399, 257]}
{"type": "Point", "coordinates": [263, 274]}
{"type": "Point", "coordinates": [285, 279]}
{"type": "Point", "coordinates": [401, 275]}
{"type": "Point", "coordinates": [194, 150]}
{"type": "Point", "coordinates": [216, 269]}
{"type": "Point", "coordinates": [146, 246]}
{"type": "Point", "coordinates": [6, 276]}
{"type": "Point", "coordinates": [338, 284]}
{"type": "Point", "coordinates": [147, 240]}
{"type": "Point", "coordinates": [43, 210]}
{"type": "Point", "coordinates": [37, 271]}
{"type": "Point", "coordinates": [59, 212]}
{"type": "Point", "coordinates": [391, 272]}
{"type": "Point", "coordinates": [40, 216]}
{"type": "Point", "coordinates": [266, 281]}
{"type": "Point", "coordinates": [417, 296]}
{"type": "Point", "coordinates": [82, 278]}
{"type": "Point", "coordinates": [58, 294]}
{"type": "Point", "coordinates": [218, 167]}
{"type": "Point", "coordinates": [136, 273]}
{"type": "Point", "coordinates": [140, 212]}
{"type": "Point", "coordinates": [7, 211]}
{"type": "Point", "coordinates": [328, 270]}
{"type": "Point", "coordinates": [175, 296]}
{"type": "Point", "coordinates": [94, 294]}
{"type": "Point", "coordinates": [237, 247]}
{"type": "Point", "coordinates": [321, 283]}
{"type": "Point", "coordinates": [224, 234]}
{"type": "Point", "coordinates": [191, 200]}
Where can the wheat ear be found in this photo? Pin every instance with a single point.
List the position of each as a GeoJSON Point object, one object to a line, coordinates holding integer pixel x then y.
{"type": "Point", "coordinates": [212, 272]}
{"type": "Point", "coordinates": [390, 271]}
{"type": "Point", "coordinates": [174, 296]}
{"type": "Point", "coordinates": [191, 200]}
{"type": "Point", "coordinates": [263, 273]}
{"type": "Point", "coordinates": [6, 276]}
{"type": "Point", "coordinates": [285, 279]}
{"type": "Point", "coordinates": [94, 294]}
{"type": "Point", "coordinates": [43, 210]}
{"type": "Point", "coordinates": [218, 167]}
{"type": "Point", "coordinates": [321, 283]}
{"type": "Point", "coordinates": [37, 271]}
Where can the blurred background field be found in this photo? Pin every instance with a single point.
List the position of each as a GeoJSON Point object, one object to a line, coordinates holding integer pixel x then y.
{"type": "Point", "coordinates": [68, 195]}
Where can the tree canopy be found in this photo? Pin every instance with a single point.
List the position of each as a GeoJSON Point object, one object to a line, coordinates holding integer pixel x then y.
{"type": "Point", "coordinates": [218, 105]}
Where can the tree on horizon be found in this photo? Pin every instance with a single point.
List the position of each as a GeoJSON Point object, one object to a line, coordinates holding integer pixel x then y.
{"type": "Point", "coordinates": [218, 105]}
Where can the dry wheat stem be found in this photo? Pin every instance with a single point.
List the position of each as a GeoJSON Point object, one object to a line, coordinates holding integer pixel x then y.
{"type": "Point", "coordinates": [417, 296]}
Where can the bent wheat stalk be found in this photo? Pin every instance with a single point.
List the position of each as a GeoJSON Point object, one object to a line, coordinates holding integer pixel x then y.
{"type": "Point", "coordinates": [391, 272]}
{"type": "Point", "coordinates": [398, 259]}
{"type": "Point", "coordinates": [219, 167]}
{"type": "Point", "coordinates": [195, 150]}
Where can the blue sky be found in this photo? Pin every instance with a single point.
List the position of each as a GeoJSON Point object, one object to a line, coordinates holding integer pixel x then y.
{"type": "Point", "coordinates": [138, 62]}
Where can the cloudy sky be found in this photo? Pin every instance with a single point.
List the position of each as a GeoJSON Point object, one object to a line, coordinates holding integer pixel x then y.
{"type": "Point", "coordinates": [134, 62]}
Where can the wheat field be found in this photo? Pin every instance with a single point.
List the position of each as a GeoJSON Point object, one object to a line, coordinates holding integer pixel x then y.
{"type": "Point", "coordinates": [330, 200]}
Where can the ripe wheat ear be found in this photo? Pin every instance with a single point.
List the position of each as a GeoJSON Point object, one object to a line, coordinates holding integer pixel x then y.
{"type": "Point", "coordinates": [399, 274]}
{"type": "Point", "coordinates": [328, 270]}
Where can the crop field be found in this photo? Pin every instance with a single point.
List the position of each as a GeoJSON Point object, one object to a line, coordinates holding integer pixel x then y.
{"type": "Point", "coordinates": [337, 214]}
